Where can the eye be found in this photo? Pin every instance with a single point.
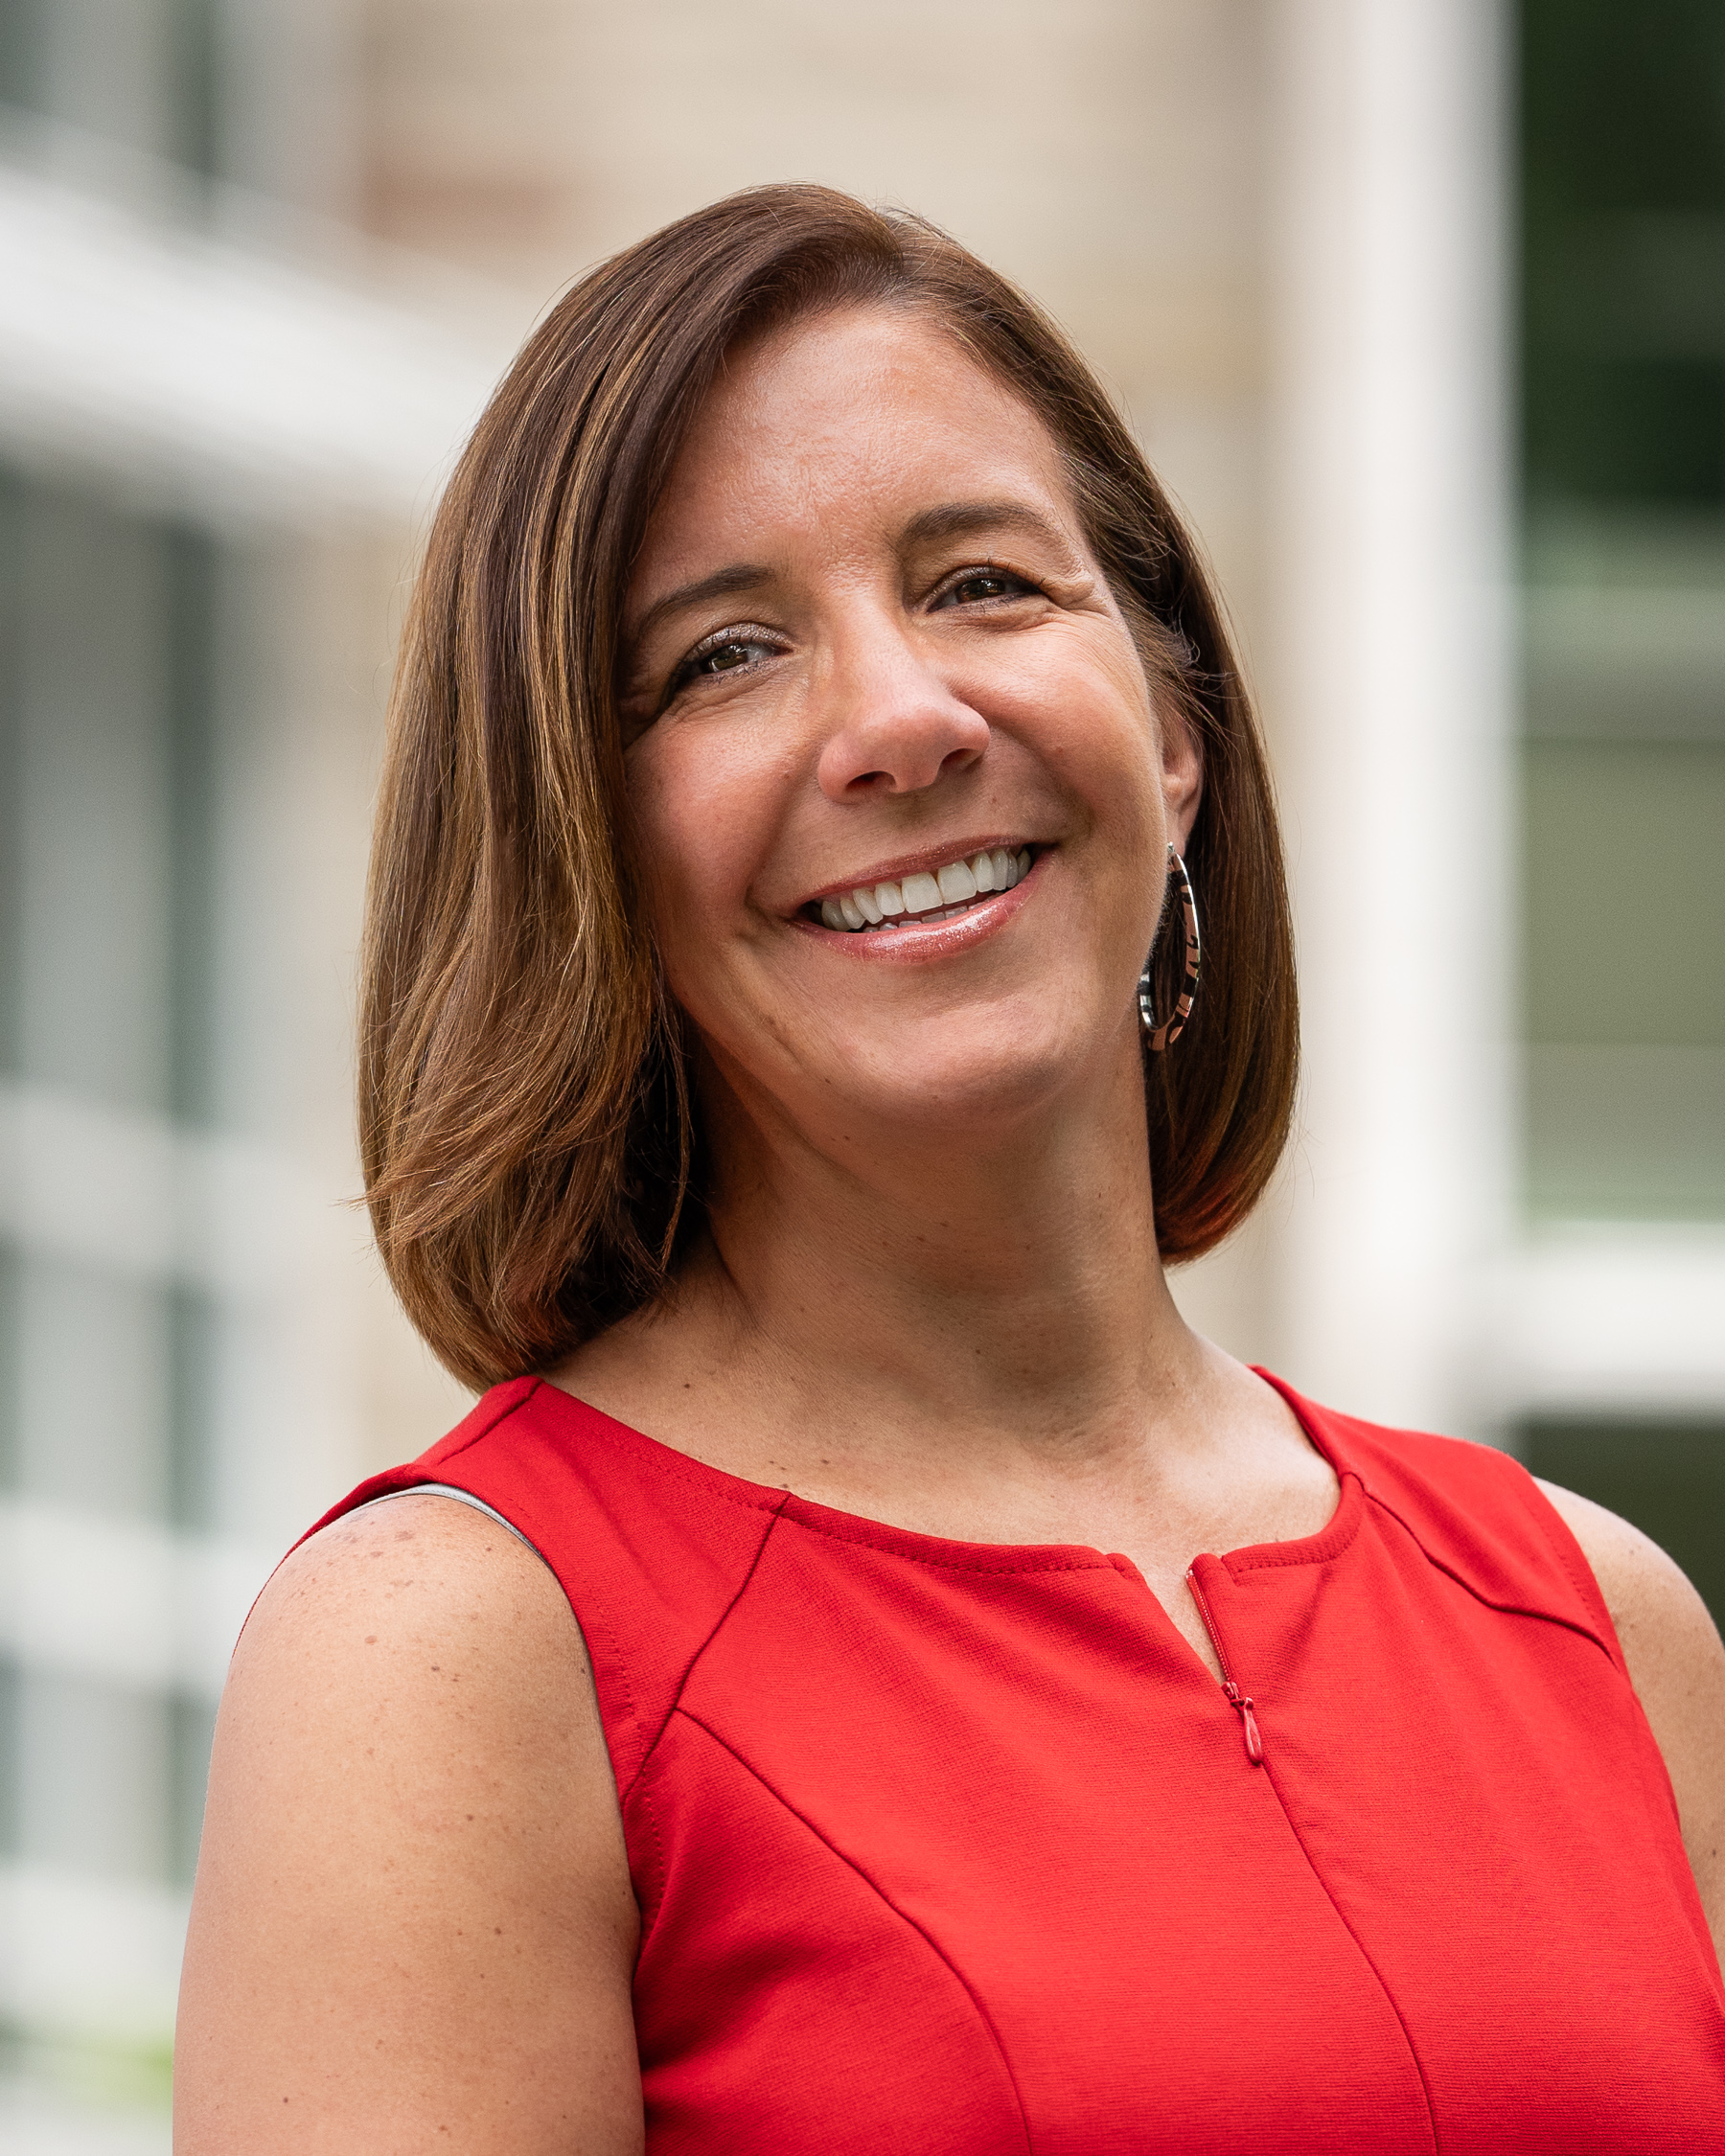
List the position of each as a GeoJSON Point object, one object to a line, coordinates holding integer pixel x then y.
{"type": "Point", "coordinates": [729, 651]}
{"type": "Point", "coordinates": [725, 658]}
{"type": "Point", "coordinates": [978, 587]}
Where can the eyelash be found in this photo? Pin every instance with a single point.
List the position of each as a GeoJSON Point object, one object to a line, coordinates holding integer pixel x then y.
{"type": "Point", "coordinates": [977, 569]}
{"type": "Point", "coordinates": [752, 633]}
{"type": "Point", "coordinates": [739, 632]}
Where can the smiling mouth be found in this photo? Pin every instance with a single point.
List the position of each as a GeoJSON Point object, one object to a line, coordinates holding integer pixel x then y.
{"type": "Point", "coordinates": [929, 895]}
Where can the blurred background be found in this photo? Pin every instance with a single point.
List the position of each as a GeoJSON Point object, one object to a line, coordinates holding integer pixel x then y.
{"type": "Point", "coordinates": [1419, 307]}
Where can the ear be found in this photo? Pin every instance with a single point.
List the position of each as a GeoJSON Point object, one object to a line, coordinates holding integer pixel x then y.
{"type": "Point", "coordinates": [1182, 775]}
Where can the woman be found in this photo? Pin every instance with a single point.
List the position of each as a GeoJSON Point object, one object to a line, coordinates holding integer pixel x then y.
{"type": "Point", "coordinates": [800, 1707]}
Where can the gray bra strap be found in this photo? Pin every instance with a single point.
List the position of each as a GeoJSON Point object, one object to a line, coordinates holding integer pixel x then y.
{"type": "Point", "coordinates": [461, 1497]}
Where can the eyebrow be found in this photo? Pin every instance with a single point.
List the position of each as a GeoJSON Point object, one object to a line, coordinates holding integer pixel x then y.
{"type": "Point", "coordinates": [723, 583]}
{"type": "Point", "coordinates": [951, 520]}
{"type": "Point", "coordinates": [957, 519]}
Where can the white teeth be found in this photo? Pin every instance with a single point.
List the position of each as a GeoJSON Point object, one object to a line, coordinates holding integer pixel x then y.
{"type": "Point", "coordinates": [922, 893]}
{"type": "Point", "coordinates": [956, 883]}
{"type": "Point", "coordinates": [944, 895]}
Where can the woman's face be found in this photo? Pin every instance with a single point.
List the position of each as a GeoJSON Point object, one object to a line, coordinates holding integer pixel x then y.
{"type": "Point", "coordinates": [876, 675]}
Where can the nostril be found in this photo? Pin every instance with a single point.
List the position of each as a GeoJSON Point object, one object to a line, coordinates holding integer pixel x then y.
{"type": "Point", "coordinates": [922, 744]}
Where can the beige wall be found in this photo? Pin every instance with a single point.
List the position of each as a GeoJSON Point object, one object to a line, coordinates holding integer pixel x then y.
{"type": "Point", "coordinates": [1107, 154]}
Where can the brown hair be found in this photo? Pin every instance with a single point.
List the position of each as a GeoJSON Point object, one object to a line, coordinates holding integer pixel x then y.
{"type": "Point", "coordinates": [526, 1122]}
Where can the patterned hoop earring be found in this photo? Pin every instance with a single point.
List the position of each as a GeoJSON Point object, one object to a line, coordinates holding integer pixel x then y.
{"type": "Point", "coordinates": [1163, 1035]}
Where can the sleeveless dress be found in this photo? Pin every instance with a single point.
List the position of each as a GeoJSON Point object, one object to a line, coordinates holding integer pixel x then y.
{"type": "Point", "coordinates": [959, 1847]}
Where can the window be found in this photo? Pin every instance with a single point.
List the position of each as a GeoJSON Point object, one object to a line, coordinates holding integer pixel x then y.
{"type": "Point", "coordinates": [1623, 446]}
{"type": "Point", "coordinates": [1623, 434]}
{"type": "Point", "coordinates": [111, 756]}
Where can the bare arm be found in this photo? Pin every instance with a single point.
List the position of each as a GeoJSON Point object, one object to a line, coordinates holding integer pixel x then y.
{"type": "Point", "coordinates": [413, 1926]}
{"type": "Point", "coordinates": [1677, 1666]}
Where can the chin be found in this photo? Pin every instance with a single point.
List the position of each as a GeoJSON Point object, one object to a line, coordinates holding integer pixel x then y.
{"type": "Point", "coordinates": [993, 1075]}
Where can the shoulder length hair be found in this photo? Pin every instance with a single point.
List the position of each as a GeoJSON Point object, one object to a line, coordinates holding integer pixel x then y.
{"type": "Point", "coordinates": [526, 1122]}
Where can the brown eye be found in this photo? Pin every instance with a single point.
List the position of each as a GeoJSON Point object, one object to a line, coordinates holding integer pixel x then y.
{"type": "Point", "coordinates": [727, 657]}
{"type": "Point", "coordinates": [978, 586]}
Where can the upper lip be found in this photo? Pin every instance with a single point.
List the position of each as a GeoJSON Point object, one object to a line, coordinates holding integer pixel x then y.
{"type": "Point", "coordinates": [926, 859]}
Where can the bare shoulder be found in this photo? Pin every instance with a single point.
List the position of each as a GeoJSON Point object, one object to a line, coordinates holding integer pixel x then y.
{"type": "Point", "coordinates": [1677, 1666]}
{"type": "Point", "coordinates": [421, 1570]}
{"type": "Point", "coordinates": [412, 1917]}
{"type": "Point", "coordinates": [418, 1553]}
{"type": "Point", "coordinates": [1659, 1617]}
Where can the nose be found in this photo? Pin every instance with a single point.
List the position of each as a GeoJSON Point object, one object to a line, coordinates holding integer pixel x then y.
{"type": "Point", "coordinates": [896, 724]}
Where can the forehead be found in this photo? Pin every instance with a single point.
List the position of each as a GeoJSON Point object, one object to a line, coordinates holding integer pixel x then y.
{"type": "Point", "coordinates": [850, 419]}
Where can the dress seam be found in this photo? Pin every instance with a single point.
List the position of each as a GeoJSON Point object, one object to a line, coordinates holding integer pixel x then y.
{"type": "Point", "coordinates": [654, 1454]}
{"type": "Point", "coordinates": [1099, 1563]}
{"type": "Point", "coordinates": [487, 1428]}
{"type": "Point", "coordinates": [1321, 1548]}
{"type": "Point", "coordinates": [682, 1473]}
{"type": "Point", "coordinates": [682, 1467]}
{"type": "Point", "coordinates": [875, 1888]}
{"type": "Point", "coordinates": [1560, 1538]}
{"type": "Point", "coordinates": [1365, 1954]}
{"type": "Point", "coordinates": [662, 1459]}
{"type": "Point", "coordinates": [1488, 1602]}
{"type": "Point", "coordinates": [642, 1799]}
{"type": "Point", "coordinates": [694, 1661]}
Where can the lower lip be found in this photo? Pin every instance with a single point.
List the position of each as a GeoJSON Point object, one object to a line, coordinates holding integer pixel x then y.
{"type": "Point", "coordinates": [910, 944]}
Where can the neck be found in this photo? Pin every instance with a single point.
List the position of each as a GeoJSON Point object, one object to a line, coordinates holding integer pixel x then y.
{"type": "Point", "coordinates": [1006, 1292]}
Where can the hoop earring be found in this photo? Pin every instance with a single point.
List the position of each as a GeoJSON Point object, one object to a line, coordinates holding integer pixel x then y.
{"type": "Point", "coordinates": [1165, 1035]}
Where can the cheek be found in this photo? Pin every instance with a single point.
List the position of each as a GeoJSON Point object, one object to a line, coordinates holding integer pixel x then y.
{"type": "Point", "coordinates": [703, 815]}
{"type": "Point", "coordinates": [1085, 712]}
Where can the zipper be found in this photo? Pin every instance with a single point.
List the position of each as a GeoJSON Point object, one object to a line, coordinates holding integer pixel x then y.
{"type": "Point", "coordinates": [1230, 1691]}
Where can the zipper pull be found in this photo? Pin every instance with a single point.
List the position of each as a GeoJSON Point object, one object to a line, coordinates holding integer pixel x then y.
{"type": "Point", "coordinates": [1230, 1691]}
{"type": "Point", "coordinates": [1249, 1729]}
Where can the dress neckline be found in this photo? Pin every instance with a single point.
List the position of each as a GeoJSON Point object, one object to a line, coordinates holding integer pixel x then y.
{"type": "Point", "coordinates": [982, 1557]}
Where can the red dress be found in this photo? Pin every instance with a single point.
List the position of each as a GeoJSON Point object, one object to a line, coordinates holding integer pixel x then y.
{"type": "Point", "coordinates": [954, 1847]}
